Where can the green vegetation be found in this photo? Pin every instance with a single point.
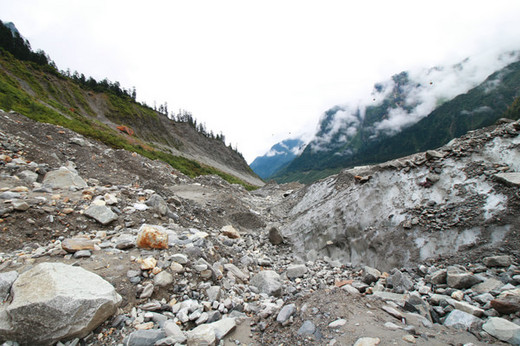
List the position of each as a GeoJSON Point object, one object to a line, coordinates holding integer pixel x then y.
{"type": "Point", "coordinates": [35, 88]}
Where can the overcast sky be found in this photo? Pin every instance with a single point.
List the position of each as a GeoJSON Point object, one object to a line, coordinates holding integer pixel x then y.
{"type": "Point", "coordinates": [259, 71]}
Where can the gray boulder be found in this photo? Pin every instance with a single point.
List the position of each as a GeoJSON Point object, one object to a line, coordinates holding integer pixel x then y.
{"type": "Point", "coordinates": [370, 275]}
{"type": "Point", "coordinates": [459, 278]}
{"type": "Point", "coordinates": [462, 320]}
{"type": "Point", "coordinates": [401, 282]}
{"type": "Point", "coordinates": [497, 261]}
{"type": "Point", "coordinates": [64, 178]}
{"type": "Point", "coordinates": [269, 282]}
{"type": "Point", "coordinates": [275, 236]}
{"type": "Point", "coordinates": [503, 330]}
{"type": "Point", "coordinates": [55, 301]}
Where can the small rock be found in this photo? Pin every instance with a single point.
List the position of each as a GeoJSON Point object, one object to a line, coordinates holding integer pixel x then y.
{"type": "Point", "coordinates": [370, 275]}
{"type": "Point", "coordinates": [458, 278]}
{"type": "Point", "coordinates": [163, 279]}
{"type": "Point", "coordinates": [307, 328]}
{"type": "Point", "coordinates": [230, 232]}
{"type": "Point", "coordinates": [172, 330]}
{"type": "Point", "coordinates": [367, 342]}
{"type": "Point", "coordinates": [82, 254]}
{"type": "Point", "coordinates": [285, 313]}
{"type": "Point", "coordinates": [296, 271]}
{"type": "Point", "coordinates": [101, 214]}
{"type": "Point", "coordinates": [72, 245]}
{"type": "Point", "coordinates": [148, 263]}
{"type": "Point", "coordinates": [269, 282]}
{"type": "Point", "coordinates": [409, 338]}
{"type": "Point", "coordinates": [337, 323]}
{"type": "Point", "coordinates": [20, 205]}
{"type": "Point", "coordinates": [201, 335]}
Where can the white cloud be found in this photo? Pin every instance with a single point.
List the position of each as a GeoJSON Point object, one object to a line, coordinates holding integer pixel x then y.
{"type": "Point", "coordinates": [263, 71]}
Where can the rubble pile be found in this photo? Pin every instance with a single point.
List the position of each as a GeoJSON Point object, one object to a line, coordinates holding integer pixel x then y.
{"type": "Point", "coordinates": [139, 254]}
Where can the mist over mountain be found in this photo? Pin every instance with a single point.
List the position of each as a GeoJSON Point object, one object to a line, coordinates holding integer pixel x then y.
{"type": "Point", "coordinates": [278, 156]}
{"type": "Point", "coordinates": [411, 111]}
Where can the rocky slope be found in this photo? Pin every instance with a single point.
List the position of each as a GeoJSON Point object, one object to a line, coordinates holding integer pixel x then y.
{"type": "Point", "coordinates": [88, 232]}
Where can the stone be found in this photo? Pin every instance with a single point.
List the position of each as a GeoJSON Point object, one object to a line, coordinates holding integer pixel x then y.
{"type": "Point", "coordinates": [144, 337]}
{"type": "Point", "coordinates": [337, 323]}
{"type": "Point", "coordinates": [307, 328]}
{"type": "Point", "coordinates": [275, 236]}
{"type": "Point", "coordinates": [409, 338]}
{"type": "Point", "coordinates": [503, 330]}
{"type": "Point", "coordinates": [64, 178]}
{"type": "Point", "coordinates": [236, 272]}
{"type": "Point", "coordinates": [223, 327]}
{"type": "Point", "coordinates": [438, 277]}
{"type": "Point", "coordinates": [285, 313]}
{"type": "Point", "coordinates": [268, 282]}
{"type": "Point", "coordinates": [157, 203]}
{"type": "Point", "coordinates": [507, 302]}
{"type": "Point", "coordinates": [400, 282]}
{"type": "Point", "coordinates": [173, 331]}
{"type": "Point", "coordinates": [213, 293]}
{"type": "Point", "coordinates": [148, 263]}
{"type": "Point", "coordinates": [462, 320]}
{"type": "Point", "coordinates": [458, 278]}
{"type": "Point", "coordinates": [179, 258]}
{"type": "Point", "coordinates": [101, 214]}
{"type": "Point", "coordinates": [367, 341]}
{"type": "Point", "coordinates": [6, 281]}
{"type": "Point", "coordinates": [72, 245]}
{"type": "Point", "coordinates": [433, 155]}
{"type": "Point", "coordinates": [163, 279]}
{"type": "Point", "coordinates": [497, 261]}
{"type": "Point", "coordinates": [71, 300]}
{"type": "Point", "coordinates": [110, 199]}
{"type": "Point", "coordinates": [296, 271]}
{"type": "Point", "coordinates": [152, 237]}
{"type": "Point", "coordinates": [230, 232]}
{"type": "Point", "coordinates": [511, 178]}
{"type": "Point", "coordinates": [82, 254]}
{"type": "Point", "coordinates": [20, 205]}
{"type": "Point", "coordinates": [201, 335]}
{"type": "Point", "coordinates": [466, 307]}
{"type": "Point", "coordinates": [176, 267]}
{"type": "Point", "coordinates": [487, 285]}
{"type": "Point", "coordinates": [28, 176]}
{"type": "Point", "coordinates": [370, 275]}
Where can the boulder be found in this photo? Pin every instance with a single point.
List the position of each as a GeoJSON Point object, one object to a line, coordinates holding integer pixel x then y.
{"type": "Point", "coordinates": [401, 282]}
{"type": "Point", "coordinates": [64, 178]}
{"type": "Point", "coordinates": [268, 282]}
{"type": "Point", "coordinates": [173, 331]}
{"type": "Point", "coordinates": [497, 261]}
{"type": "Point", "coordinates": [508, 302]}
{"type": "Point", "coordinates": [438, 277]}
{"type": "Point", "coordinates": [152, 237]}
{"type": "Point", "coordinates": [70, 300]}
{"type": "Point", "coordinates": [487, 285]}
{"type": "Point", "coordinates": [163, 279]}
{"type": "Point", "coordinates": [223, 327]}
{"type": "Point", "coordinates": [459, 278]}
{"type": "Point", "coordinates": [503, 330]}
{"type": "Point", "coordinates": [462, 320]}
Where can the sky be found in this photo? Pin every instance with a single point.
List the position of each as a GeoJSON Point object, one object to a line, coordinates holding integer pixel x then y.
{"type": "Point", "coordinates": [259, 71]}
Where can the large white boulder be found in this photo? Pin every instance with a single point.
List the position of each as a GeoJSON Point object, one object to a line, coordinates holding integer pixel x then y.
{"type": "Point", "coordinates": [55, 301]}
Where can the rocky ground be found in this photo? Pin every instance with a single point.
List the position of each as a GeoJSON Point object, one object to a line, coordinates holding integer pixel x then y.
{"type": "Point", "coordinates": [172, 260]}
